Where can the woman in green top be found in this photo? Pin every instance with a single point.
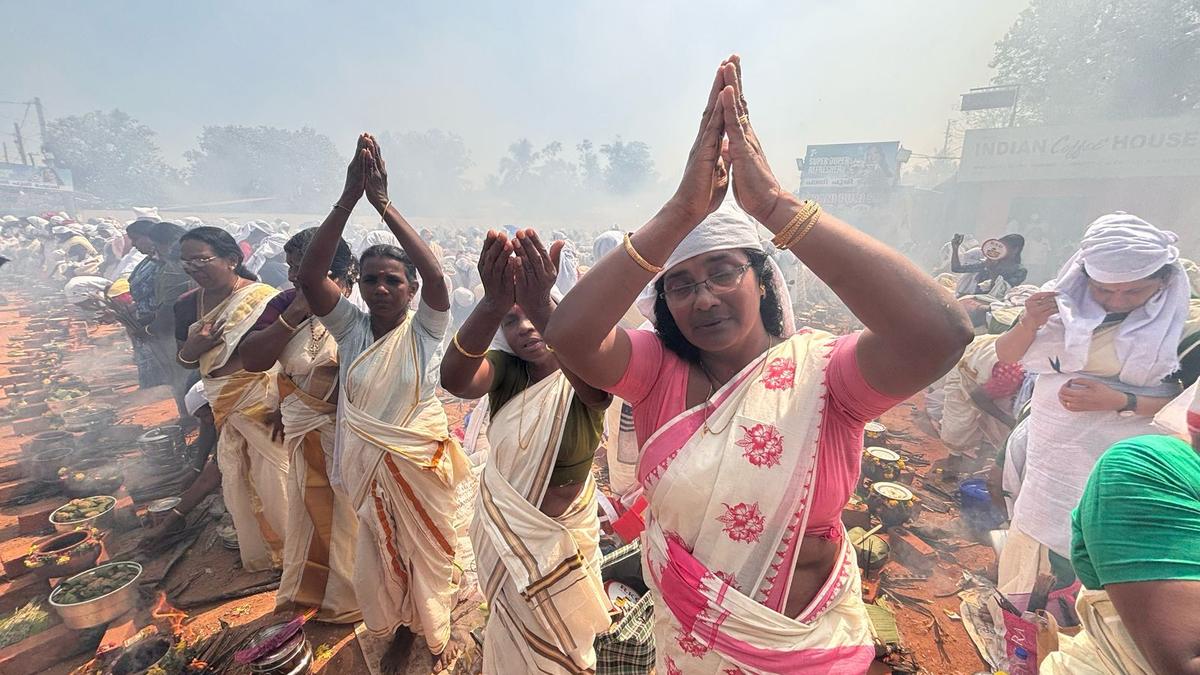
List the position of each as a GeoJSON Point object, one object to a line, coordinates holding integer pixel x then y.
{"type": "Point", "coordinates": [1136, 548]}
{"type": "Point", "coordinates": [499, 351]}
{"type": "Point", "coordinates": [535, 531]}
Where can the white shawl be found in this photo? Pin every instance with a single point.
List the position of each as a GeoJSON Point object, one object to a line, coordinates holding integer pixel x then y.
{"type": "Point", "coordinates": [1117, 248]}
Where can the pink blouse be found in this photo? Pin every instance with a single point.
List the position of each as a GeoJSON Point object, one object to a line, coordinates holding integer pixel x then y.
{"type": "Point", "coordinates": [655, 384]}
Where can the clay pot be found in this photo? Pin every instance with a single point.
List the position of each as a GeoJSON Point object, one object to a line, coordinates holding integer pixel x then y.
{"type": "Point", "coordinates": [82, 548]}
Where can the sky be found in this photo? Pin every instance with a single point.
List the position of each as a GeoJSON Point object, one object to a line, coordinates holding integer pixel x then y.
{"type": "Point", "coordinates": [815, 71]}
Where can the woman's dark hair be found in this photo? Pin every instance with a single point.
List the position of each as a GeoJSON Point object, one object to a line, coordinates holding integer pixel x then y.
{"type": "Point", "coordinates": [166, 237]}
{"type": "Point", "coordinates": [223, 245]}
{"type": "Point", "coordinates": [1015, 244]}
{"type": "Point", "coordinates": [140, 228]}
{"type": "Point", "coordinates": [395, 253]}
{"type": "Point", "coordinates": [343, 267]}
{"type": "Point", "coordinates": [770, 309]}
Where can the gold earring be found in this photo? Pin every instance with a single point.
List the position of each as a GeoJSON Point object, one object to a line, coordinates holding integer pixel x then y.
{"type": "Point", "coordinates": [762, 291]}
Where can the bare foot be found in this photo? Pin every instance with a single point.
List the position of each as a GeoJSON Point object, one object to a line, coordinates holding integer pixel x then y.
{"type": "Point", "coordinates": [394, 658]}
{"type": "Point", "coordinates": [454, 648]}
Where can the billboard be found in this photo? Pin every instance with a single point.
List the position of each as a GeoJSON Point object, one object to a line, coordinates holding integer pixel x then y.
{"type": "Point", "coordinates": [1127, 149]}
{"type": "Point", "coordinates": [23, 176]}
{"type": "Point", "coordinates": [850, 174]}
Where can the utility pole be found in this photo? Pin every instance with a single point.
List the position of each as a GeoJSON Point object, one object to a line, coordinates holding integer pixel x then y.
{"type": "Point", "coordinates": [6, 152]}
{"type": "Point", "coordinates": [37, 104]}
{"type": "Point", "coordinates": [20, 142]}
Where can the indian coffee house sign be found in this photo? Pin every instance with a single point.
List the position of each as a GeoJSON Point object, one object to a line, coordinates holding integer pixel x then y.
{"type": "Point", "coordinates": [1134, 148]}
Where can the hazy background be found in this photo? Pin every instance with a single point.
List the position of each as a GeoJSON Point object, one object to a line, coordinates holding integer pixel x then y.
{"type": "Point", "coordinates": [495, 72]}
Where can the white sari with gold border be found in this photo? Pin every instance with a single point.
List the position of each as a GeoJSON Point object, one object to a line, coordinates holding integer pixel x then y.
{"type": "Point", "coordinates": [253, 467]}
{"type": "Point", "coordinates": [540, 575]}
{"type": "Point", "coordinates": [401, 468]}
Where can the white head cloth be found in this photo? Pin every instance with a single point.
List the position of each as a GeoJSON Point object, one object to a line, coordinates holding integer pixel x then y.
{"type": "Point", "coordinates": [375, 237]}
{"type": "Point", "coordinates": [195, 399]}
{"type": "Point", "coordinates": [1117, 248]}
{"type": "Point", "coordinates": [82, 289]}
{"type": "Point", "coordinates": [37, 221]}
{"type": "Point", "coordinates": [149, 213]}
{"type": "Point", "coordinates": [726, 228]}
{"type": "Point", "coordinates": [605, 242]}
{"type": "Point", "coordinates": [267, 248]}
{"type": "Point", "coordinates": [463, 297]}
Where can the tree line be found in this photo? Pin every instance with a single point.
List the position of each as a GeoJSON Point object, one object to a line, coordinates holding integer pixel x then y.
{"type": "Point", "coordinates": [116, 159]}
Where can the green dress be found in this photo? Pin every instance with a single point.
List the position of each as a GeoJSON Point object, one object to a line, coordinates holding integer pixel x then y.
{"type": "Point", "coordinates": [1139, 517]}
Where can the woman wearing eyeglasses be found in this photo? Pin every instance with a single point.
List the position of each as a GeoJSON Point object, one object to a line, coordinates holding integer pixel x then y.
{"type": "Point", "coordinates": [751, 433]}
{"type": "Point", "coordinates": [210, 323]}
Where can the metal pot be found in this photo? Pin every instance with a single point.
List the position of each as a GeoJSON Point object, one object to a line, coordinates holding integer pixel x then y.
{"type": "Point", "coordinates": [45, 465]}
{"type": "Point", "coordinates": [294, 657]}
{"type": "Point", "coordinates": [101, 610]}
{"type": "Point", "coordinates": [47, 440]}
{"type": "Point", "coordinates": [100, 522]}
{"type": "Point", "coordinates": [158, 509]}
{"type": "Point", "coordinates": [88, 486]}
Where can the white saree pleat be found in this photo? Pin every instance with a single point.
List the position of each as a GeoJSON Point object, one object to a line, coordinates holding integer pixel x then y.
{"type": "Point", "coordinates": [402, 469]}
{"type": "Point", "coordinates": [541, 575]}
{"type": "Point", "coordinates": [253, 466]}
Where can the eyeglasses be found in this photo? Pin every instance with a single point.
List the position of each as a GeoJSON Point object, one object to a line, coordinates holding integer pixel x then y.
{"type": "Point", "coordinates": [195, 263]}
{"type": "Point", "coordinates": [718, 284]}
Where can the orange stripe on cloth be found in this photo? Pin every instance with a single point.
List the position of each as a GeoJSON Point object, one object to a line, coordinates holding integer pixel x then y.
{"type": "Point", "coordinates": [389, 537]}
{"type": "Point", "coordinates": [394, 470]}
{"type": "Point", "coordinates": [318, 502]}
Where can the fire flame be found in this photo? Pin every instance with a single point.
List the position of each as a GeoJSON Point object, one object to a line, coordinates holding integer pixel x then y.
{"type": "Point", "coordinates": [197, 664]}
{"type": "Point", "coordinates": [164, 610]}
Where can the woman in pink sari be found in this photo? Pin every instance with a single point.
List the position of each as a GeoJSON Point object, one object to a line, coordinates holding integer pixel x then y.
{"type": "Point", "coordinates": [750, 433]}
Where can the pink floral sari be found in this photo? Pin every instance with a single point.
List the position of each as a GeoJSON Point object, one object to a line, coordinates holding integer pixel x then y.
{"type": "Point", "coordinates": [729, 483]}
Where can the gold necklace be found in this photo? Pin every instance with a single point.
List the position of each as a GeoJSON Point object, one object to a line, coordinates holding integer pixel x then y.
{"type": "Point", "coordinates": [712, 389]}
{"type": "Point", "coordinates": [313, 348]}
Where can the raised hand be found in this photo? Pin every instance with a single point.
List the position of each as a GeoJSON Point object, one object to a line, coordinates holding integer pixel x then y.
{"type": "Point", "coordinates": [297, 311]}
{"type": "Point", "coordinates": [754, 184]}
{"type": "Point", "coordinates": [1039, 307]}
{"type": "Point", "coordinates": [536, 269]}
{"type": "Point", "coordinates": [496, 271]}
{"type": "Point", "coordinates": [375, 174]}
{"type": "Point", "coordinates": [355, 182]}
{"type": "Point", "coordinates": [705, 176]}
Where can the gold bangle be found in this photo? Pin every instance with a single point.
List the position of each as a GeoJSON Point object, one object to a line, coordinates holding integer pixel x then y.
{"type": "Point", "coordinates": [179, 358]}
{"type": "Point", "coordinates": [466, 353]}
{"type": "Point", "coordinates": [347, 209]}
{"type": "Point", "coordinates": [807, 209]}
{"type": "Point", "coordinates": [816, 216]}
{"type": "Point", "coordinates": [637, 257]}
{"type": "Point", "coordinates": [383, 211]}
{"type": "Point", "coordinates": [286, 325]}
